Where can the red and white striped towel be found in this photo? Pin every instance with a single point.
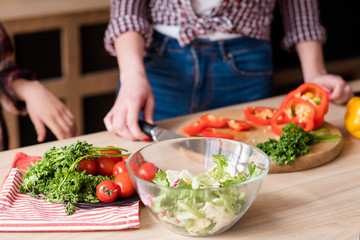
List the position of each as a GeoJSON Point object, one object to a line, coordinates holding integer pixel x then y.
{"type": "Point", "coordinates": [22, 213]}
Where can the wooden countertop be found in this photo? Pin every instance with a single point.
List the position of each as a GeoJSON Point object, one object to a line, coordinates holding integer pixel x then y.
{"type": "Point", "coordinates": [321, 203]}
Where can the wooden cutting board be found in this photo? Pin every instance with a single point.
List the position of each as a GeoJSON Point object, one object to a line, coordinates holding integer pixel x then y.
{"type": "Point", "coordinates": [319, 154]}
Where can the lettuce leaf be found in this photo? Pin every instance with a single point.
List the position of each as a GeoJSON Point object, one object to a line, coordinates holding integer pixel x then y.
{"type": "Point", "coordinates": [201, 212]}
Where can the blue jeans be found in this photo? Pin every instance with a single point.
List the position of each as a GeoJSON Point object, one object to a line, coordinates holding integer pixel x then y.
{"type": "Point", "coordinates": [207, 74]}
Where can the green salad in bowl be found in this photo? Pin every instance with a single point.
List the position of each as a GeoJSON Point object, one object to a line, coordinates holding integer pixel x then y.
{"type": "Point", "coordinates": [202, 186]}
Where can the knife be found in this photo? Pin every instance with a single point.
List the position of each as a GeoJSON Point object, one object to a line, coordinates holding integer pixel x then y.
{"type": "Point", "coordinates": [157, 133]}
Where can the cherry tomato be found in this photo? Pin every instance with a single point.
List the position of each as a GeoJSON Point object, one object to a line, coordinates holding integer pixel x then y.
{"type": "Point", "coordinates": [87, 165]}
{"type": "Point", "coordinates": [105, 166]}
{"type": "Point", "coordinates": [106, 191]}
{"type": "Point", "coordinates": [238, 125]}
{"type": "Point", "coordinates": [147, 171]}
{"type": "Point", "coordinates": [119, 167]}
{"type": "Point", "coordinates": [116, 159]}
{"type": "Point", "coordinates": [134, 168]}
{"type": "Point", "coordinates": [124, 185]}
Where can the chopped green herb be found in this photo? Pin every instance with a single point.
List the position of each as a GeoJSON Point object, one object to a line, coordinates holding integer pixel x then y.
{"type": "Point", "coordinates": [294, 142]}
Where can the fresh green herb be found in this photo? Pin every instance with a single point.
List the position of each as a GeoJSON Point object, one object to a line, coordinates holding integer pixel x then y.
{"type": "Point", "coordinates": [294, 142]}
{"type": "Point", "coordinates": [56, 177]}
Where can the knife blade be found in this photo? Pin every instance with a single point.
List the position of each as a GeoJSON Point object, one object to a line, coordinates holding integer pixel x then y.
{"type": "Point", "coordinates": [157, 133]}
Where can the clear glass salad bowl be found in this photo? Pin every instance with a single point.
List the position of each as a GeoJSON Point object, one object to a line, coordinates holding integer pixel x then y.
{"type": "Point", "coordinates": [227, 176]}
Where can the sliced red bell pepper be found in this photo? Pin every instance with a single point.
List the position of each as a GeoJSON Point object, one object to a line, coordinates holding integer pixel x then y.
{"type": "Point", "coordinates": [281, 116]}
{"type": "Point", "coordinates": [259, 115]}
{"type": "Point", "coordinates": [210, 132]}
{"type": "Point", "coordinates": [317, 94]}
{"type": "Point", "coordinates": [238, 125]}
{"type": "Point", "coordinates": [195, 127]}
{"type": "Point", "coordinates": [296, 110]}
{"type": "Point", "coordinates": [212, 121]}
{"type": "Point", "coordinates": [314, 94]}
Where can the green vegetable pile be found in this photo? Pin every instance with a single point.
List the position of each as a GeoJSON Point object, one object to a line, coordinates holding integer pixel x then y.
{"type": "Point", "coordinates": [294, 142]}
{"type": "Point", "coordinates": [56, 177]}
{"type": "Point", "coordinates": [201, 212]}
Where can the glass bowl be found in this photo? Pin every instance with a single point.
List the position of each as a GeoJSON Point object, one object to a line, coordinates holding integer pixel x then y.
{"type": "Point", "coordinates": [204, 211]}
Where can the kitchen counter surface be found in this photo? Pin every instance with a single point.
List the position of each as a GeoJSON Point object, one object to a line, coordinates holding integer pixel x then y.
{"type": "Point", "coordinates": [320, 203]}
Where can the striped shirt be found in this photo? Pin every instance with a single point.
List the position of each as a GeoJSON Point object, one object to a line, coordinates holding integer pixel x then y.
{"type": "Point", "coordinates": [248, 18]}
{"type": "Point", "coordinates": [8, 72]}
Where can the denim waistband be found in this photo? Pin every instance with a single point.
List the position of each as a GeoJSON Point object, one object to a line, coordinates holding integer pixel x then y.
{"type": "Point", "coordinates": [163, 42]}
{"type": "Point", "coordinates": [161, 39]}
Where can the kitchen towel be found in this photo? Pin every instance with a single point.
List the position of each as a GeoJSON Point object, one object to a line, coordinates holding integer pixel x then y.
{"type": "Point", "coordinates": [22, 213]}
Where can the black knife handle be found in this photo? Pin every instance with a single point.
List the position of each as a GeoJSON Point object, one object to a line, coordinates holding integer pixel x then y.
{"type": "Point", "coordinates": [146, 127]}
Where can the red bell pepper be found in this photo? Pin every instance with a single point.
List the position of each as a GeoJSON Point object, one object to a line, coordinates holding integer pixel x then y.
{"type": "Point", "coordinates": [212, 121]}
{"type": "Point", "coordinates": [281, 116]}
{"type": "Point", "coordinates": [238, 125]}
{"type": "Point", "coordinates": [259, 115]}
{"type": "Point", "coordinates": [195, 127]}
{"type": "Point", "coordinates": [210, 132]}
{"type": "Point", "coordinates": [314, 94]}
{"type": "Point", "coordinates": [296, 110]}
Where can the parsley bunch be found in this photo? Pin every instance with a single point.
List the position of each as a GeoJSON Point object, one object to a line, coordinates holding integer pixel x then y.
{"type": "Point", "coordinates": [56, 177]}
{"type": "Point", "coordinates": [294, 142]}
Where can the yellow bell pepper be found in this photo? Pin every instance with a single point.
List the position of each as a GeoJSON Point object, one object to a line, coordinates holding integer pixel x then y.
{"type": "Point", "coordinates": [352, 117]}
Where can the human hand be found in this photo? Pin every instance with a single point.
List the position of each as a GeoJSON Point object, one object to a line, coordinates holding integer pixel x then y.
{"type": "Point", "coordinates": [340, 90]}
{"type": "Point", "coordinates": [45, 109]}
{"type": "Point", "coordinates": [135, 95]}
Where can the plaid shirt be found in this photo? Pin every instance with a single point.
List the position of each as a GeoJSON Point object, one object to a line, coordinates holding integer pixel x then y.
{"type": "Point", "coordinates": [8, 72]}
{"type": "Point", "coordinates": [250, 18]}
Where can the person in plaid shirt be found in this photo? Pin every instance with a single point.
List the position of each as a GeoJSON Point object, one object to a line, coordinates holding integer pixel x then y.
{"type": "Point", "coordinates": [205, 54]}
{"type": "Point", "coordinates": [20, 93]}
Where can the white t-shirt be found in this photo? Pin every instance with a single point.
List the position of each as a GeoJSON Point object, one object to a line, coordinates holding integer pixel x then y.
{"type": "Point", "coordinates": [201, 8]}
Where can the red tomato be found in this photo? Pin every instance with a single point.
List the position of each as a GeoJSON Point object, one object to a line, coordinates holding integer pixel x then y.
{"type": "Point", "coordinates": [124, 185]}
{"type": "Point", "coordinates": [147, 171]}
{"type": "Point", "coordinates": [195, 128]}
{"type": "Point", "coordinates": [106, 191]}
{"type": "Point", "coordinates": [105, 166]}
{"type": "Point", "coordinates": [87, 164]}
{"type": "Point", "coordinates": [212, 121]}
{"type": "Point", "coordinates": [116, 159]}
{"type": "Point", "coordinates": [133, 165]}
{"type": "Point", "coordinates": [238, 125]}
{"type": "Point", "coordinates": [259, 115]}
{"type": "Point", "coordinates": [210, 132]}
{"type": "Point", "coordinates": [119, 167]}
{"type": "Point", "coordinates": [134, 168]}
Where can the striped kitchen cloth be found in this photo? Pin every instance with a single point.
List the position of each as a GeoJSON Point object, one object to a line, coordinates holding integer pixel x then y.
{"type": "Point", "coordinates": [22, 213]}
